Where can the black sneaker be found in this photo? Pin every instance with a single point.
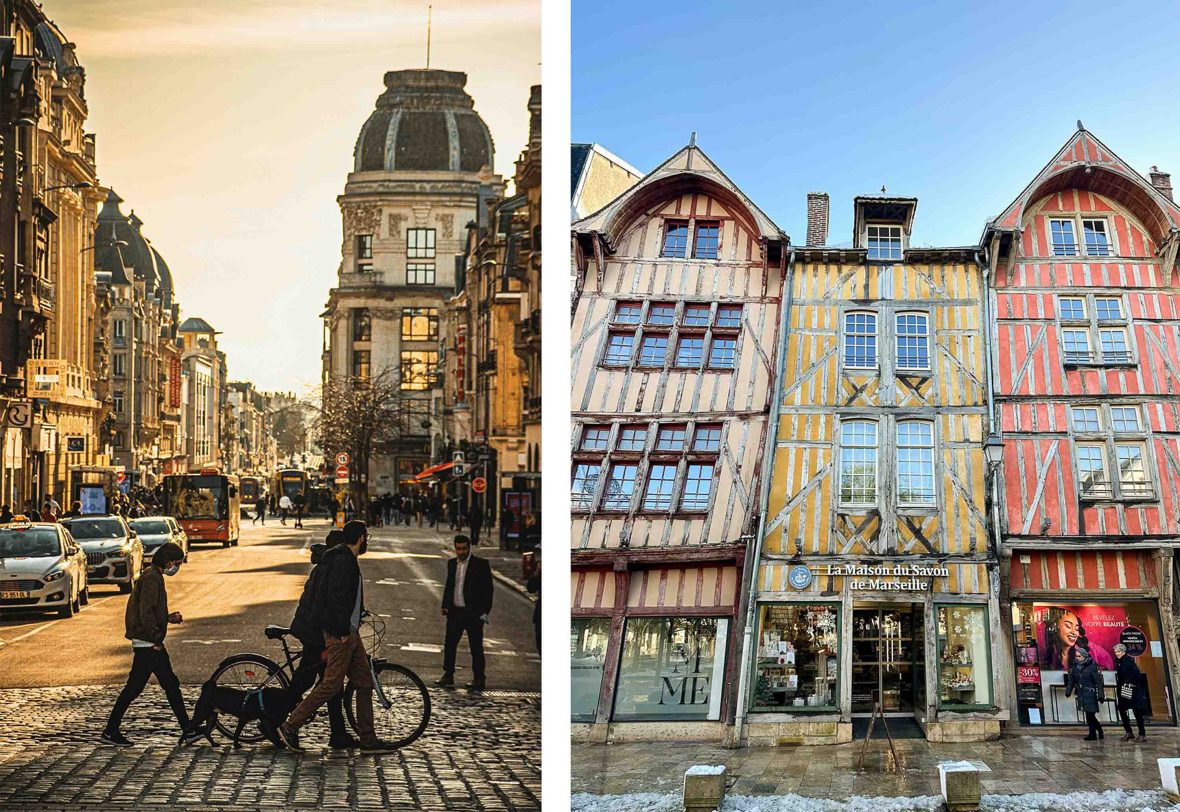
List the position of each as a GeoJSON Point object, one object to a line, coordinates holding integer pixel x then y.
{"type": "Point", "coordinates": [378, 746]}
{"type": "Point", "coordinates": [343, 742]}
{"type": "Point", "coordinates": [445, 681]}
{"type": "Point", "coordinates": [290, 738]}
{"type": "Point", "coordinates": [192, 736]}
{"type": "Point", "coordinates": [476, 686]}
{"type": "Point", "coordinates": [116, 738]}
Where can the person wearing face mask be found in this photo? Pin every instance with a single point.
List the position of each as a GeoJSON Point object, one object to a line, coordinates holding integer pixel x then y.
{"type": "Point", "coordinates": [335, 610]}
{"type": "Point", "coordinates": [147, 620]}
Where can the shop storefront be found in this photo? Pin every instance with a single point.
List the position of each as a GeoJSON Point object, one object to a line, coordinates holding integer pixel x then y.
{"type": "Point", "coordinates": [651, 651]}
{"type": "Point", "coordinates": [1093, 599]}
{"type": "Point", "coordinates": [834, 643]}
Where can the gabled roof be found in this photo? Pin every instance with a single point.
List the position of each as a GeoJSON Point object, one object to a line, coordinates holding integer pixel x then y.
{"type": "Point", "coordinates": [689, 169]}
{"type": "Point", "coordinates": [1084, 162]}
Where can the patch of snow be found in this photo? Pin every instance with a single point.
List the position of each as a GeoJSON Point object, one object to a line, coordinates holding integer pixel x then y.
{"type": "Point", "coordinates": [704, 769]}
{"type": "Point", "coordinates": [1114, 800]}
{"type": "Point", "coordinates": [635, 802]}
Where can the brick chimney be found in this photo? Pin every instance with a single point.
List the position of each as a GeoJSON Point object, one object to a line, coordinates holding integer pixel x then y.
{"type": "Point", "coordinates": [1161, 181]}
{"type": "Point", "coordinates": [817, 218]}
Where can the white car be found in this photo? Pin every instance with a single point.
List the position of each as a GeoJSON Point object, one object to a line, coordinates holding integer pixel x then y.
{"type": "Point", "coordinates": [155, 531]}
{"type": "Point", "coordinates": [113, 552]}
{"type": "Point", "coordinates": [41, 568]}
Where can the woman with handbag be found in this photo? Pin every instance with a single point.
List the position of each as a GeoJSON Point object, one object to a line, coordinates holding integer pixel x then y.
{"type": "Point", "coordinates": [1131, 697]}
{"type": "Point", "coordinates": [1086, 682]}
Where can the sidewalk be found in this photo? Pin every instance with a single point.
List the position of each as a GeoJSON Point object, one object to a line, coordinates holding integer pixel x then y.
{"type": "Point", "coordinates": [1013, 765]}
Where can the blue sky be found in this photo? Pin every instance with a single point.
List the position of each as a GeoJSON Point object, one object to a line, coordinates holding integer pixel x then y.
{"type": "Point", "coordinates": [957, 104]}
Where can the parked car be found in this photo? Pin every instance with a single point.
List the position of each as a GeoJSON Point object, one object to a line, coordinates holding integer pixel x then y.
{"type": "Point", "coordinates": [114, 554]}
{"type": "Point", "coordinates": [41, 568]}
{"type": "Point", "coordinates": [155, 531]}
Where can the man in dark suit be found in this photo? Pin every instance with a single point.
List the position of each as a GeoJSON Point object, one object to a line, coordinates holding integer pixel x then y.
{"type": "Point", "coordinates": [466, 602]}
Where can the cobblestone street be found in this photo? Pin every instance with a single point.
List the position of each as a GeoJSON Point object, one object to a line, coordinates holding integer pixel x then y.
{"type": "Point", "coordinates": [479, 753]}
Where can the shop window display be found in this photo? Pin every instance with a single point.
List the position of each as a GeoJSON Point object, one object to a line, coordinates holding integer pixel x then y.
{"type": "Point", "coordinates": [964, 671]}
{"type": "Point", "coordinates": [588, 639]}
{"type": "Point", "coordinates": [672, 668]}
{"type": "Point", "coordinates": [798, 660]}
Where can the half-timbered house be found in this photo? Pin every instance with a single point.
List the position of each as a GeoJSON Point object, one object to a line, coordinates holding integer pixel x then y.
{"type": "Point", "coordinates": [1086, 304]}
{"type": "Point", "coordinates": [875, 589]}
{"type": "Point", "coordinates": [674, 338]}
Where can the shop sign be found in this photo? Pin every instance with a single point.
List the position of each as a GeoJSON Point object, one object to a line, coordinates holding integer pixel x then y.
{"type": "Point", "coordinates": [75, 444]}
{"type": "Point", "coordinates": [1028, 693]}
{"type": "Point", "coordinates": [1028, 674]}
{"type": "Point", "coordinates": [1134, 639]}
{"type": "Point", "coordinates": [800, 576]}
{"type": "Point", "coordinates": [19, 415]}
{"type": "Point", "coordinates": [894, 577]}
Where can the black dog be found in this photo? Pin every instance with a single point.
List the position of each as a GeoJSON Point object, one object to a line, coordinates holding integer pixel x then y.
{"type": "Point", "coordinates": [270, 707]}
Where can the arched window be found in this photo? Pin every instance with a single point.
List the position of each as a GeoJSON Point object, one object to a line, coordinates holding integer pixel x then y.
{"type": "Point", "coordinates": [913, 341]}
{"type": "Point", "coordinates": [915, 462]}
{"type": "Point", "coordinates": [860, 340]}
{"type": "Point", "coordinates": [858, 462]}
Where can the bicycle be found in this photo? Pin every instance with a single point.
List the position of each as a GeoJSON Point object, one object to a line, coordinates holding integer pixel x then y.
{"type": "Point", "coordinates": [401, 703]}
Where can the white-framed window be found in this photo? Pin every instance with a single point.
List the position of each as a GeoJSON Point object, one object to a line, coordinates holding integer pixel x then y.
{"type": "Point", "coordinates": [1094, 234]}
{"type": "Point", "coordinates": [729, 317]}
{"type": "Point", "coordinates": [722, 353]}
{"type": "Point", "coordinates": [707, 438]}
{"type": "Point", "coordinates": [1092, 471]}
{"type": "Point", "coordinates": [1108, 308]}
{"type": "Point", "coordinates": [690, 351]}
{"type": "Point", "coordinates": [653, 350]}
{"type": "Point", "coordinates": [915, 462]}
{"type": "Point", "coordinates": [118, 404]}
{"type": "Point", "coordinates": [707, 240]}
{"type": "Point", "coordinates": [618, 349]}
{"type": "Point", "coordinates": [121, 329]}
{"type": "Point", "coordinates": [419, 273]}
{"type": "Point", "coordinates": [1073, 308]}
{"type": "Point", "coordinates": [1133, 479]}
{"type": "Point", "coordinates": [119, 364]}
{"type": "Point", "coordinates": [420, 243]}
{"type": "Point", "coordinates": [1115, 349]}
{"type": "Point", "coordinates": [913, 341]}
{"type": "Point", "coordinates": [860, 340]}
{"type": "Point", "coordinates": [1064, 241]}
{"type": "Point", "coordinates": [858, 462]}
{"type": "Point", "coordinates": [1124, 419]}
{"type": "Point", "coordinates": [1086, 419]}
{"type": "Point", "coordinates": [620, 486]}
{"type": "Point", "coordinates": [884, 242]}
{"type": "Point", "coordinates": [696, 315]}
{"type": "Point", "coordinates": [675, 239]}
{"type": "Point", "coordinates": [661, 483]}
{"type": "Point", "coordinates": [1076, 343]}
{"type": "Point", "coordinates": [698, 486]}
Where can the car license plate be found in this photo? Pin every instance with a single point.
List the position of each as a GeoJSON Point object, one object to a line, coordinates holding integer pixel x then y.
{"type": "Point", "coordinates": [5, 595]}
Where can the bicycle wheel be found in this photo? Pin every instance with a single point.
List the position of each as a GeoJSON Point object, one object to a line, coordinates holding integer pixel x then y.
{"type": "Point", "coordinates": [245, 672]}
{"type": "Point", "coordinates": [401, 704]}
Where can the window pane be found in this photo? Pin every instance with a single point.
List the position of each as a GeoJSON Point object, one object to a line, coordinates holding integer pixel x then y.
{"type": "Point", "coordinates": [1108, 309]}
{"type": "Point", "coordinates": [1085, 418]}
{"type": "Point", "coordinates": [588, 640]}
{"type": "Point", "coordinates": [698, 484]}
{"type": "Point", "coordinates": [1092, 471]}
{"type": "Point", "coordinates": [1073, 309]}
{"type": "Point", "coordinates": [619, 487]}
{"type": "Point", "coordinates": [660, 482]}
{"type": "Point", "coordinates": [860, 340]}
{"type": "Point", "coordinates": [652, 351]}
{"type": "Point", "coordinates": [675, 239]}
{"type": "Point", "coordinates": [364, 246]}
{"type": "Point", "coordinates": [671, 668]}
{"type": "Point", "coordinates": [632, 439]}
{"type": "Point", "coordinates": [696, 315]}
{"type": "Point", "coordinates": [670, 438]}
{"type": "Point", "coordinates": [915, 463]}
{"type": "Point", "coordinates": [963, 674]}
{"type": "Point", "coordinates": [721, 356]}
{"type": "Point", "coordinates": [595, 438]}
{"type": "Point", "coordinates": [628, 312]}
{"type": "Point", "coordinates": [884, 242]}
{"type": "Point", "coordinates": [360, 364]}
{"type": "Point", "coordinates": [419, 273]}
{"type": "Point", "coordinates": [707, 438]}
{"type": "Point", "coordinates": [1133, 479]}
{"type": "Point", "coordinates": [1065, 244]}
{"type": "Point", "coordinates": [1114, 346]}
{"type": "Point", "coordinates": [729, 316]}
{"type": "Point", "coordinates": [706, 242]}
{"type": "Point", "coordinates": [913, 341]}
{"type": "Point", "coordinates": [661, 313]}
{"type": "Point", "coordinates": [1077, 346]}
{"type": "Point", "coordinates": [420, 243]}
{"type": "Point", "coordinates": [858, 462]}
{"type": "Point", "coordinates": [419, 324]}
{"type": "Point", "coordinates": [585, 481]}
{"type": "Point", "coordinates": [1095, 234]}
{"type": "Point", "coordinates": [1124, 418]}
{"type": "Point", "coordinates": [362, 325]}
{"type": "Point", "coordinates": [419, 369]}
{"type": "Point", "coordinates": [690, 351]}
{"type": "Point", "coordinates": [618, 349]}
{"type": "Point", "coordinates": [798, 656]}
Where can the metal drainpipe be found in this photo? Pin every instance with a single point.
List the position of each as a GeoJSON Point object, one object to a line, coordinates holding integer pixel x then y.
{"type": "Point", "coordinates": [767, 460]}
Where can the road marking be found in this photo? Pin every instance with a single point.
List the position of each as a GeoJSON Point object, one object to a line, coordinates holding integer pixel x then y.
{"type": "Point", "coordinates": [210, 642]}
{"type": "Point", "coordinates": [43, 627]}
{"type": "Point", "coordinates": [428, 649]}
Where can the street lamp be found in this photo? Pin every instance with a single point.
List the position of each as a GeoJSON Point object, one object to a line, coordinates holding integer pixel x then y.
{"type": "Point", "coordinates": [993, 453]}
{"type": "Point", "coordinates": [993, 450]}
{"type": "Point", "coordinates": [82, 184]}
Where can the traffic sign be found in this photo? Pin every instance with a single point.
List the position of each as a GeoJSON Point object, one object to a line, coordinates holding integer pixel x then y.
{"type": "Point", "coordinates": [479, 484]}
{"type": "Point", "coordinates": [342, 471]}
{"type": "Point", "coordinates": [120, 476]}
{"type": "Point", "coordinates": [342, 458]}
{"type": "Point", "coordinates": [459, 469]}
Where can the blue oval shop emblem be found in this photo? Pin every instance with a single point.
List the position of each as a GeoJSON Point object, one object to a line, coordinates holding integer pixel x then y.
{"type": "Point", "coordinates": [800, 576]}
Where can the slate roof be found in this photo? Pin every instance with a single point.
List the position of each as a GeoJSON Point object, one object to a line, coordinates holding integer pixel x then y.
{"type": "Point", "coordinates": [195, 325]}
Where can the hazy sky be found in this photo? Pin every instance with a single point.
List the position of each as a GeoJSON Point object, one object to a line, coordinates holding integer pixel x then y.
{"type": "Point", "coordinates": [228, 125]}
{"type": "Point", "coordinates": [958, 104]}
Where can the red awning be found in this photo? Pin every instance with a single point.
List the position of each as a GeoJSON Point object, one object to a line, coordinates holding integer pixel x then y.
{"type": "Point", "coordinates": [432, 470]}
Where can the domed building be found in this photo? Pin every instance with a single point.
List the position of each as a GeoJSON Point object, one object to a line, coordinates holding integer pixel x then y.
{"type": "Point", "coordinates": [422, 170]}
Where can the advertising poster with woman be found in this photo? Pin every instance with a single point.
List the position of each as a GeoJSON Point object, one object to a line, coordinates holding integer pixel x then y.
{"type": "Point", "coordinates": [1093, 627]}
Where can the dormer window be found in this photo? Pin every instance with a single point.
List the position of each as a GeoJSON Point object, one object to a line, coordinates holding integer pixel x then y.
{"type": "Point", "coordinates": [884, 242]}
{"type": "Point", "coordinates": [675, 239]}
{"type": "Point", "coordinates": [1065, 242]}
{"type": "Point", "coordinates": [1097, 244]}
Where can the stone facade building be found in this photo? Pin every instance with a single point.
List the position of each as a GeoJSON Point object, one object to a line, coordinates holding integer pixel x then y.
{"type": "Point", "coordinates": [422, 165]}
{"type": "Point", "coordinates": [675, 339]}
{"type": "Point", "coordinates": [203, 371]}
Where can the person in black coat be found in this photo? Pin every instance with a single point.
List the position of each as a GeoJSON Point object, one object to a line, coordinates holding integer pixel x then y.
{"type": "Point", "coordinates": [1128, 673]}
{"type": "Point", "coordinates": [1086, 681]}
{"type": "Point", "coordinates": [534, 586]}
{"type": "Point", "coordinates": [466, 602]}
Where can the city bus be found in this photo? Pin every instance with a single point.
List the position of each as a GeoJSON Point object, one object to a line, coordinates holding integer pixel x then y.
{"type": "Point", "coordinates": [289, 481]}
{"type": "Point", "coordinates": [250, 489]}
{"type": "Point", "coordinates": [207, 505]}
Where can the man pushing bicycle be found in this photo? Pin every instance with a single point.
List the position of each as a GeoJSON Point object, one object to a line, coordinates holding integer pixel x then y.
{"type": "Point", "coordinates": [336, 613]}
